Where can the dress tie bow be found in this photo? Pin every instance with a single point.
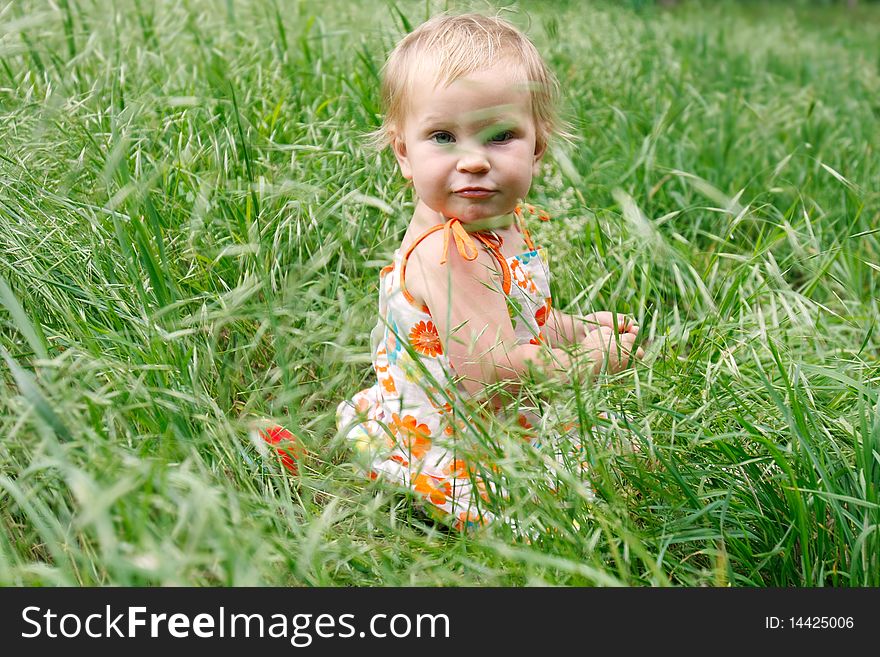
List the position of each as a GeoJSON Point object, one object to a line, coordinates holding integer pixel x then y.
{"type": "Point", "coordinates": [467, 249]}
{"type": "Point", "coordinates": [465, 244]}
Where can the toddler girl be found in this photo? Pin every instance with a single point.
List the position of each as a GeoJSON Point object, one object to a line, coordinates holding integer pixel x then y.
{"type": "Point", "coordinates": [465, 305]}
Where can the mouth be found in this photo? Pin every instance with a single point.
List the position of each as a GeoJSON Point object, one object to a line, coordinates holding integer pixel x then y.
{"type": "Point", "coordinates": [474, 192]}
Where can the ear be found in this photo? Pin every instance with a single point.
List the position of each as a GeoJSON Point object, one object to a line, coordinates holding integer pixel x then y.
{"type": "Point", "coordinates": [540, 149]}
{"type": "Point", "coordinates": [398, 145]}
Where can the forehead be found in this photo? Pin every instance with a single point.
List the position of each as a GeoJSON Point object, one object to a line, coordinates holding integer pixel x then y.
{"type": "Point", "coordinates": [495, 93]}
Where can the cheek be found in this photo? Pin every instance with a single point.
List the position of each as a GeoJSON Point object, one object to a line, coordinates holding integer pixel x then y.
{"type": "Point", "coordinates": [522, 170]}
{"type": "Point", "coordinates": [426, 185]}
{"type": "Point", "coordinates": [430, 171]}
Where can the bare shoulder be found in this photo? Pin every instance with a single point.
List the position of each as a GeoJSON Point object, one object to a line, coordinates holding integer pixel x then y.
{"type": "Point", "coordinates": [426, 277]}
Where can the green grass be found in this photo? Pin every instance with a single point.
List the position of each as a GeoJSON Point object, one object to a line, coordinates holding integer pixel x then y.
{"type": "Point", "coordinates": [190, 235]}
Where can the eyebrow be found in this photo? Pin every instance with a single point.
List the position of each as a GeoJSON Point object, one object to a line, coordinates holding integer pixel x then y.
{"type": "Point", "coordinates": [433, 117]}
{"type": "Point", "coordinates": [480, 123]}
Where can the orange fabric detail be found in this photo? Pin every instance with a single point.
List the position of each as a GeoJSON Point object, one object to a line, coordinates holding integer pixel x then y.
{"type": "Point", "coordinates": [463, 241]}
{"type": "Point", "coordinates": [541, 315]}
{"type": "Point", "coordinates": [522, 277]}
{"type": "Point", "coordinates": [458, 469]}
{"type": "Point", "coordinates": [520, 223]}
{"type": "Point", "coordinates": [435, 490]}
{"type": "Point", "coordinates": [495, 248]}
{"type": "Point", "coordinates": [468, 518]}
{"type": "Point", "coordinates": [467, 249]}
{"type": "Point", "coordinates": [409, 297]}
{"type": "Point", "coordinates": [416, 437]}
{"type": "Point", "coordinates": [424, 339]}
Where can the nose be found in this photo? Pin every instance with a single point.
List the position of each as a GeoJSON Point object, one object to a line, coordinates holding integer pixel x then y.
{"type": "Point", "coordinates": [473, 160]}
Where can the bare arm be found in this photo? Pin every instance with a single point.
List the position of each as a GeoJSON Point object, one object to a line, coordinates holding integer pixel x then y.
{"type": "Point", "coordinates": [563, 329]}
{"type": "Point", "coordinates": [470, 312]}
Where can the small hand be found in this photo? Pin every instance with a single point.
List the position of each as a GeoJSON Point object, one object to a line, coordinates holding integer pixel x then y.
{"type": "Point", "coordinates": [616, 321]}
{"type": "Point", "coordinates": [615, 351]}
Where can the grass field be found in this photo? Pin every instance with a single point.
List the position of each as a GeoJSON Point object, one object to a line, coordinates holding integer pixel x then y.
{"type": "Point", "coordinates": [191, 229]}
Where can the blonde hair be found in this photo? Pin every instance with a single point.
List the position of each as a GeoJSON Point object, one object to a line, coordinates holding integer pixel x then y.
{"type": "Point", "coordinates": [457, 45]}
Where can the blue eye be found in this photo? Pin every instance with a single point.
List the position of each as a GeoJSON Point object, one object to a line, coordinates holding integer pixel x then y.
{"type": "Point", "coordinates": [499, 137]}
{"type": "Point", "coordinates": [442, 138]}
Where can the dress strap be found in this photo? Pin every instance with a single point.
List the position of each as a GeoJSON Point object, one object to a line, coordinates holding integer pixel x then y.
{"type": "Point", "coordinates": [463, 241]}
{"type": "Point", "coordinates": [521, 225]}
{"type": "Point", "coordinates": [494, 247]}
{"type": "Point", "coordinates": [466, 247]}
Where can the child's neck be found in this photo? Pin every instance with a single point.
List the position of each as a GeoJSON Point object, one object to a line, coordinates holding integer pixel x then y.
{"type": "Point", "coordinates": [427, 217]}
{"type": "Point", "coordinates": [489, 223]}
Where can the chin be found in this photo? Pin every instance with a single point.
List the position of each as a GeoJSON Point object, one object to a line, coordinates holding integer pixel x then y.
{"type": "Point", "coordinates": [476, 213]}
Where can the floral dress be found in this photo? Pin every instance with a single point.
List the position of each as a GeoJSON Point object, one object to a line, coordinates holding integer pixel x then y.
{"type": "Point", "coordinates": [403, 428]}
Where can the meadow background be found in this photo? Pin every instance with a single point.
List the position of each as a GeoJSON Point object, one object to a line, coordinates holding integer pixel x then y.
{"type": "Point", "coordinates": [191, 229]}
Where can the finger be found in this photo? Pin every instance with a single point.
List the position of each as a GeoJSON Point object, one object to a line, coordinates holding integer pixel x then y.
{"type": "Point", "coordinates": [629, 359]}
{"type": "Point", "coordinates": [601, 318]}
{"type": "Point", "coordinates": [623, 323]}
{"type": "Point", "coordinates": [593, 320]}
{"type": "Point", "coordinates": [629, 325]}
{"type": "Point", "coordinates": [606, 320]}
{"type": "Point", "coordinates": [629, 352]}
{"type": "Point", "coordinates": [604, 338]}
{"type": "Point", "coordinates": [617, 321]}
{"type": "Point", "coordinates": [634, 356]}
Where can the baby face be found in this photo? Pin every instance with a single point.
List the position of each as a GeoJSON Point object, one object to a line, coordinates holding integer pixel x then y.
{"type": "Point", "coordinates": [470, 147]}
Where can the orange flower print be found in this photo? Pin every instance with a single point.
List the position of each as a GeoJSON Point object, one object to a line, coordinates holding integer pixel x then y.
{"type": "Point", "coordinates": [432, 488]}
{"type": "Point", "coordinates": [543, 311]}
{"type": "Point", "coordinates": [444, 408]}
{"type": "Point", "coordinates": [453, 424]}
{"type": "Point", "coordinates": [522, 278]}
{"type": "Point", "coordinates": [468, 520]}
{"type": "Point", "coordinates": [436, 398]}
{"type": "Point", "coordinates": [425, 340]}
{"type": "Point", "coordinates": [416, 437]}
{"type": "Point", "coordinates": [389, 386]}
{"type": "Point", "coordinates": [362, 406]}
{"type": "Point", "coordinates": [523, 421]}
{"type": "Point", "coordinates": [457, 469]}
{"type": "Point", "coordinates": [541, 315]}
{"type": "Point", "coordinates": [484, 492]}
